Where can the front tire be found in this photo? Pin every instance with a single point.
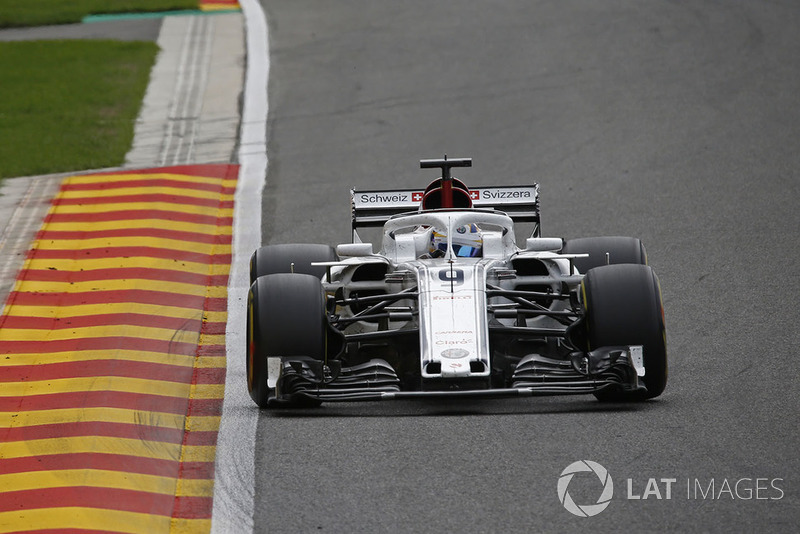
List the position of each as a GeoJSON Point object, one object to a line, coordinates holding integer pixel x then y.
{"type": "Point", "coordinates": [623, 307]}
{"type": "Point", "coordinates": [285, 317]}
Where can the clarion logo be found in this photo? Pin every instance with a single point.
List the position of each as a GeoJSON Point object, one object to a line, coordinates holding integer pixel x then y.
{"type": "Point", "coordinates": [465, 341]}
{"type": "Point", "coordinates": [505, 194]}
{"type": "Point", "coordinates": [391, 197]}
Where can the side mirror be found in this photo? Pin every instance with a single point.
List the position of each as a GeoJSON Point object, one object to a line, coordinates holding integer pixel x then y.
{"type": "Point", "coordinates": [544, 244]}
{"type": "Point", "coordinates": [354, 250]}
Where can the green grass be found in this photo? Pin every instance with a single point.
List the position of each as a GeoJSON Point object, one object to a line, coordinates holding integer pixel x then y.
{"type": "Point", "coordinates": [44, 12]}
{"type": "Point", "coordinates": [69, 105]}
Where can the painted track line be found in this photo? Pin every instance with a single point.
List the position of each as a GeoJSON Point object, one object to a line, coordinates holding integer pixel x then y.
{"type": "Point", "coordinates": [234, 484]}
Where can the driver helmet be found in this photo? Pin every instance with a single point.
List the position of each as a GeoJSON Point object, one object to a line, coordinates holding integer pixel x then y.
{"type": "Point", "coordinates": [467, 241]}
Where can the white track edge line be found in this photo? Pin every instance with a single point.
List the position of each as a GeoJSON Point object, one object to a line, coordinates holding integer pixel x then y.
{"type": "Point", "coordinates": [234, 484]}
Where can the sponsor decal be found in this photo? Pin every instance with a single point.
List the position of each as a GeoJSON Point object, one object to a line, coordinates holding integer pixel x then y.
{"type": "Point", "coordinates": [452, 276]}
{"type": "Point", "coordinates": [499, 194]}
{"type": "Point", "coordinates": [452, 297]}
{"type": "Point", "coordinates": [464, 341]}
{"type": "Point", "coordinates": [400, 198]}
{"type": "Point", "coordinates": [446, 332]}
{"type": "Point", "coordinates": [455, 354]}
{"type": "Point", "coordinates": [384, 198]}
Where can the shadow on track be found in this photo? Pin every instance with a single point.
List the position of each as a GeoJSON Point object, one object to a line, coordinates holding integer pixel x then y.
{"type": "Point", "coordinates": [422, 408]}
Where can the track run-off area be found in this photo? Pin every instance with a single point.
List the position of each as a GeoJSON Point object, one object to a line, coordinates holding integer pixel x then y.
{"type": "Point", "coordinates": [112, 355]}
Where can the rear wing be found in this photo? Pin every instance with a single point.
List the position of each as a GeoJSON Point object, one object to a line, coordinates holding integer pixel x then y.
{"type": "Point", "coordinates": [374, 208]}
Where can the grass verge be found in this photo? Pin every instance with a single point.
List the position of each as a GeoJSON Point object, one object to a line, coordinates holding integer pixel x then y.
{"type": "Point", "coordinates": [69, 105]}
{"type": "Point", "coordinates": [43, 12]}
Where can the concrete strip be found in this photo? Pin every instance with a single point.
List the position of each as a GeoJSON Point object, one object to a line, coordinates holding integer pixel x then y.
{"type": "Point", "coordinates": [218, 127]}
{"type": "Point", "coordinates": [24, 202]}
{"type": "Point", "coordinates": [190, 112]}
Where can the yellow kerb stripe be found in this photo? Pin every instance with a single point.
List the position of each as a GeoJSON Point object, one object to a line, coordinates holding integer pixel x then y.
{"type": "Point", "coordinates": [210, 362]}
{"type": "Point", "coordinates": [101, 415]}
{"type": "Point", "coordinates": [139, 332]}
{"type": "Point", "coordinates": [96, 478]}
{"type": "Point", "coordinates": [89, 226]}
{"type": "Point", "coordinates": [218, 7]}
{"type": "Point", "coordinates": [124, 206]}
{"type": "Point", "coordinates": [82, 519]}
{"type": "Point", "coordinates": [181, 525]}
{"type": "Point", "coordinates": [90, 264]}
{"type": "Point", "coordinates": [119, 384]}
{"type": "Point", "coordinates": [188, 487]}
{"type": "Point", "coordinates": [107, 445]}
{"type": "Point", "coordinates": [64, 312]}
{"type": "Point", "coordinates": [161, 190]}
{"type": "Point", "coordinates": [207, 391]}
{"type": "Point", "coordinates": [153, 242]}
{"type": "Point", "coordinates": [109, 415]}
{"type": "Point", "coordinates": [123, 285]}
{"type": "Point", "coordinates": [121, 178]}
{"type": "Point", "coordinates": [203, 362]}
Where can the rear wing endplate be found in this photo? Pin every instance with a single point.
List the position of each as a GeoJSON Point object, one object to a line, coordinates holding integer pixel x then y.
{"type": "Point", "coordinates": [373, 208]}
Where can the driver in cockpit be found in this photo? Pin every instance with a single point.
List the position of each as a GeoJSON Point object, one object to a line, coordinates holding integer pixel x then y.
{"type": "Point", "coordinates": [467, 239]}
{"type": "Point", "coordinates": [467, 242]}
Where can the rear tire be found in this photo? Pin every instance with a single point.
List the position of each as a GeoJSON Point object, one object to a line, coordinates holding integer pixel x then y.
{"type": "Point", "coordinates": [285, 317]}
{"type": "Point", "coordinates": [623, 307]}
{"type": "Point", "coordinates": [619, 250]}
{"type": "Point", "coordinates": [290, 258]}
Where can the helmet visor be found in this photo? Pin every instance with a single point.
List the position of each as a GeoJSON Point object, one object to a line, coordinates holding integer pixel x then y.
{"type": "Point", "coordinates": [464, 251]}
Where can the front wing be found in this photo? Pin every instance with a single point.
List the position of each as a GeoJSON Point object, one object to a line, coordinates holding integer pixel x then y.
{"type": "Point", "coordinates": [296, 378]}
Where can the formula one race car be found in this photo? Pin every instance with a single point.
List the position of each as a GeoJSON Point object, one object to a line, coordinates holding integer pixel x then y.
{"type": "Point", "coordinates": [452, 307]}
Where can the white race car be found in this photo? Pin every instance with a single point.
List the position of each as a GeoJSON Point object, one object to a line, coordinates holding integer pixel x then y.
{"type": "Point", "coordinates": [451, 306]}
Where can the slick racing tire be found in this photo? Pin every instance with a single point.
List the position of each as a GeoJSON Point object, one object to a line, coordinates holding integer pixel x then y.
{"type": "Point", "coordinates": [623, 307]}
{"type": "Point", "coordinates": [272, 259]}
{"type": "Point", "coordinates": [619, 250]}
{"type": "Point", "coordinates": [285, 317]}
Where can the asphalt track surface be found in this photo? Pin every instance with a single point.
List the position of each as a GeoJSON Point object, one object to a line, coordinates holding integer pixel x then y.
{"type": "Point", "coordinates": [677, 122]}
{"type": "Point", "coordinates": [130, 30]}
